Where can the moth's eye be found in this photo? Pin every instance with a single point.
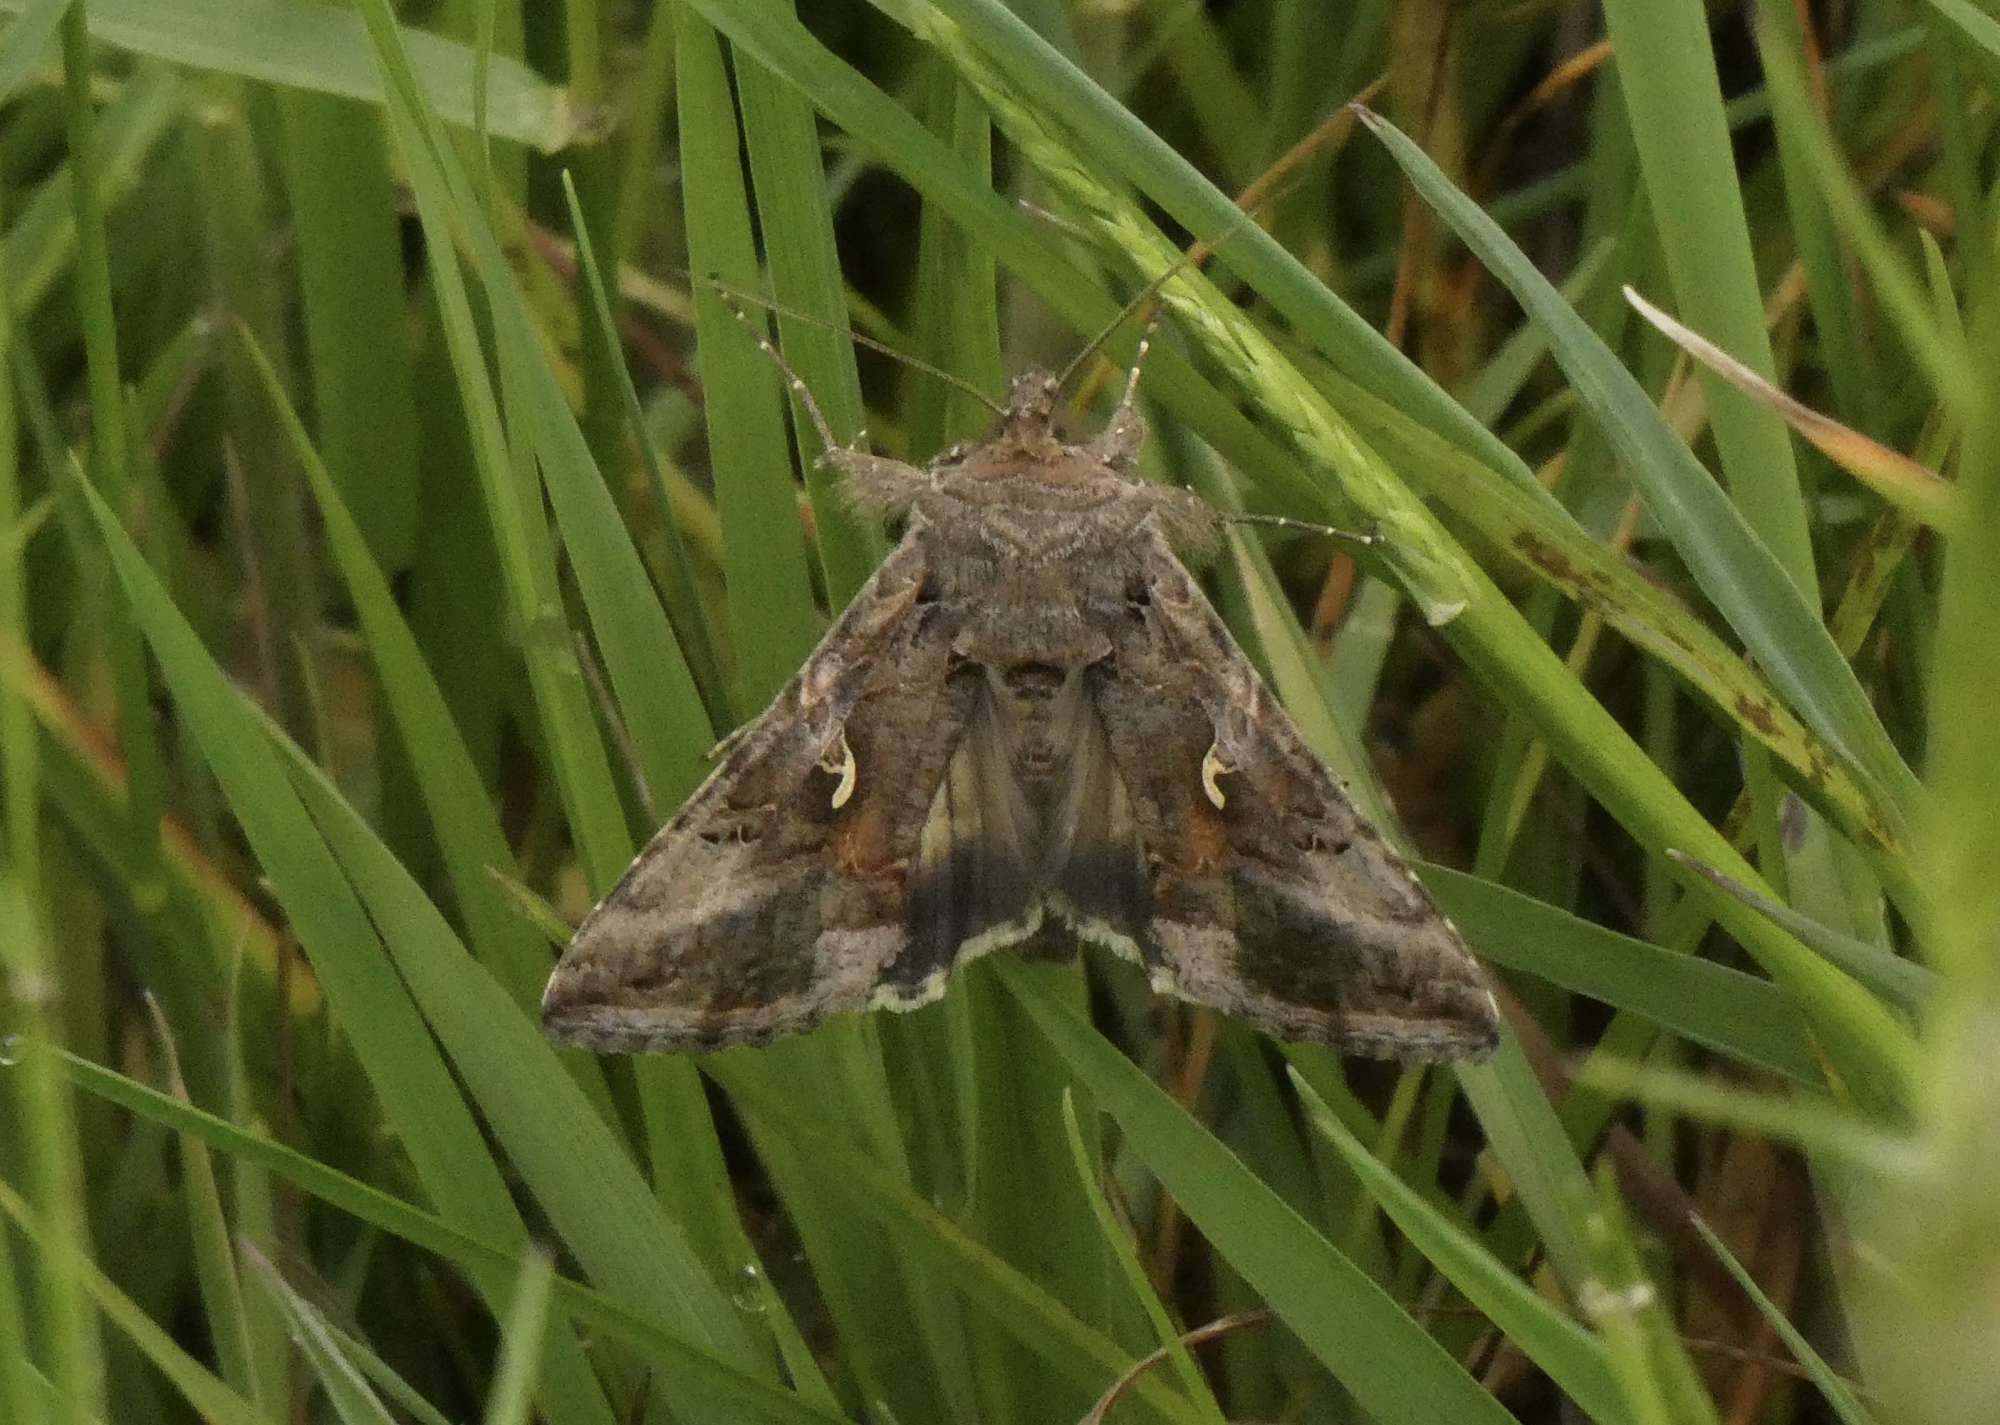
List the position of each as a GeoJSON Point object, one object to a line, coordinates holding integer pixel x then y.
{"type": "Point", "coordinates": [927, 592]}
{"type": "Point", "coordinates": [1138, 598]}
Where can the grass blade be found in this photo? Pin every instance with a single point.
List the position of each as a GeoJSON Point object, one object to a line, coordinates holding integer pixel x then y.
{"type": "Point", "coordinates": [1734, 569]}
{"type": "Point", "coordinates": [1396, 1372]}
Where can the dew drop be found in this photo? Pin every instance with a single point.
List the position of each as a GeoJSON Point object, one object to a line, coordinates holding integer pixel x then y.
{"type": "Point", "coordinates": [749, 1292]}
{"type": "Point", "coordinates": [10, 1050]}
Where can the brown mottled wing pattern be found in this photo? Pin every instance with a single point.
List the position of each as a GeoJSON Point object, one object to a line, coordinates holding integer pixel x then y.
{"type": "Point", "coordinates": [776, 896]}
{"type": "Point", "coordinates": [1271, 897]}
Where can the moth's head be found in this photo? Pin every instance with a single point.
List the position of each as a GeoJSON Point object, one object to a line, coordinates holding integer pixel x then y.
{"type": "Point", "coordinates": [1030, 413]}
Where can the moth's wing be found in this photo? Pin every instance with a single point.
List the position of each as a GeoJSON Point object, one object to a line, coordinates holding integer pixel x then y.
{"type": "Point", "coordinates": [776, 895]}
{"type": "Point", "coordinates": [974, 881]}
{"type": "Point", "coordinates": [1099, 883]}
{"type": "Point", "coordinates": [1271, 897]}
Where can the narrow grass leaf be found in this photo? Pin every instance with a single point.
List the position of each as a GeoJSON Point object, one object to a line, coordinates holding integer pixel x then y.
{"type": "Point", "coordinates": [322, 48]}
{"type": "Point", "coordinates": [215, 1262]}
{"type": "Point", "coordinates": [1573, 1360]}
{"type": "Point", "coordinates": [1009, 1300]}
{"type": "Point", "coordinates": [1733, 568]}
{"type": "Point", "coordinates": [1904, 983]}
{"type": "Point", "coordinates": [1395, 1370]}
{"type": "Point", "coordinates": [795, 217]}
{"type": "Point", "coordinates": [347, 1390]}
{"type": "Point", "coordinates": [520, 534]}
{"type": "Point", "coordinates": [511, 1396]}
{"type": "Point", "coordinates": [685, 610]}
{"type": "Point", "coordinates": [603, 1314]}
{"type": "Point", "coordinates": [1838, 1393]}
{"type": "Point", "coordinates": [771, 618]}
{"type": "Point", "coordinates": [563, 1149]}
{"type": "Point", "coordinates": [1674, 98]}
{"type": "Point", "coordinates": [473, 847]}
{"type": "Point", "coordinates": [1912, 488]}
{"type": "Point", "coordinates": [41, 241]}
{"type": "Point", "coordinates": [1118, 1241]}
{"type": "Point", "coordinates": [1639, 1335]}
{"type": "Point", "coordinates": [1813, 1123]}
{"type": "Point", "coordinates": [422, 1103]}
{"type": "Point", "coordinates": [202, 1390]}
{"type": "Point", "coordinates": [1736, 1014]}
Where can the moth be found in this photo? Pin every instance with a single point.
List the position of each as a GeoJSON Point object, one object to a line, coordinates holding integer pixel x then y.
{"type": "Point", "coordinates": [1028, 729]}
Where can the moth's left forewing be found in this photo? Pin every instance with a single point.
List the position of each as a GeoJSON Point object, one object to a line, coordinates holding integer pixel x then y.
{"type": "Point", "coordinates": [1274, 899]}
{"type": "Point", "coordinates": [774, 897]}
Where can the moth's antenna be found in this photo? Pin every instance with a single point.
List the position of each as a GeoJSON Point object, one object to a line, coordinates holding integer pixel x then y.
{"type": "Point", "coordinates": [736, 297]}
{"type": "Point", "coordinates": [1276, 182]}
{"type": "Point", "coordinates": [792, 378]}
{"type": "Point", "coordinates": [1367, 540]}
{"type": "Point", "coordinates": [1110, 329]}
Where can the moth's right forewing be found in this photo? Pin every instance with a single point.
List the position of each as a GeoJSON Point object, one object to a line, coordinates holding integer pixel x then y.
{"type": "Point", "coordinates": [774, 897]}
{"type": "Point", "coordinates": [1274, 899]}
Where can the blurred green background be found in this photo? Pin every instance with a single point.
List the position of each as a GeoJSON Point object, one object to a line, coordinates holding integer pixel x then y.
{"type": "Point", "coordinates": [389, 525]}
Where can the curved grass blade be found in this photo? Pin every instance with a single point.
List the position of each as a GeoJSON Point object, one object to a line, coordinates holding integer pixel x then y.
{"type": "Point", "coordinates": [322, 48]}
{"type": "Point", "coordinates": [1734, 570]}
{"type": "Point", "coordinates": [1916, 490]}
{"type": "Point", "coordinates": [1573, 1360]}
{"type": "Point", "coordinates": [1811, 1122]}
{"type": "Point", "coordinates": [1396, 1372]}
{"type": "Point", "coordinates": [1119, 1244]}
{"type": "Point", "coordinates": [1737, 1014]}
{"type": "Point", "coordinates": [423, 1105]}
{"type": "Point", "coordinates": [468, 833]}
{"type": "Point", "coordinates": [347, 1389]}
{"type": "Point", "coordinates": [1008, 1298]}
{"type": "Point", "coordinates": [1904, 983]}
{"type": "Point", "coordinates": [604, 1314]}
{"type": "Point", "coordinates": [203, 1391]}
{"type": "Point", "coordinates": [565, 1152]}
{"type": "Point", "coordinates": [1838, 1393]}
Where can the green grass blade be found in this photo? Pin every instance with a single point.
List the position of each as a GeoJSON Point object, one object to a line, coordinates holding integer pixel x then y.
{"type": "Point", "coordinates": [1004, 1296]}
{"type": "Point", "coordinates": [1674, 97]}
{"type": "Point", "coordinates": [771, 618]}
{"type": "Point", "coordinates": [796, 220]}
{"type": "Point", "coordinates": [603, 1314]}
{"type": "Point", "coordinates": [351, 281]}
{"type": "Point", "coordinates": [582, 774]}
{"type": "Point", "coordinates": [467, 831]}
{"type": "Point", "coordinates": [1734, 569]}
{"type": "Point", "coordinates": [1118, 1241]}
{"type": "Point", "coordinates": [215, 1401]}
{"type": "Point", "coordinates": [685, 610]}
{"type": "Point", "coordinates": [511, 1397]}
{"type": "Point", "coordinates": [1727, 1010]}
{"type": "Point", "coordinates": [322, 48]}
{"type": "Point", "coordinates": [353, 1400]}
{"type": "Point", "coordinates": [215, 1261]}
{"type": "Point", "coordinates": [1396, 1371]}
{"type": "Point", "coordinates": [1811, 1122]}
{"type": "Point", "coordinates": [1635, 1326]}
{"type": "Point", "coordinates": [410, 1078]}
{"type": "Point", "coordinates": [564, 1151]}
{"type": "Point", "coordinates": [1557, 1344]}
{"type": "Point", "coordinates": [1904, 983]}
{"type": "Point", "coordinates": [1837, 1392]}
